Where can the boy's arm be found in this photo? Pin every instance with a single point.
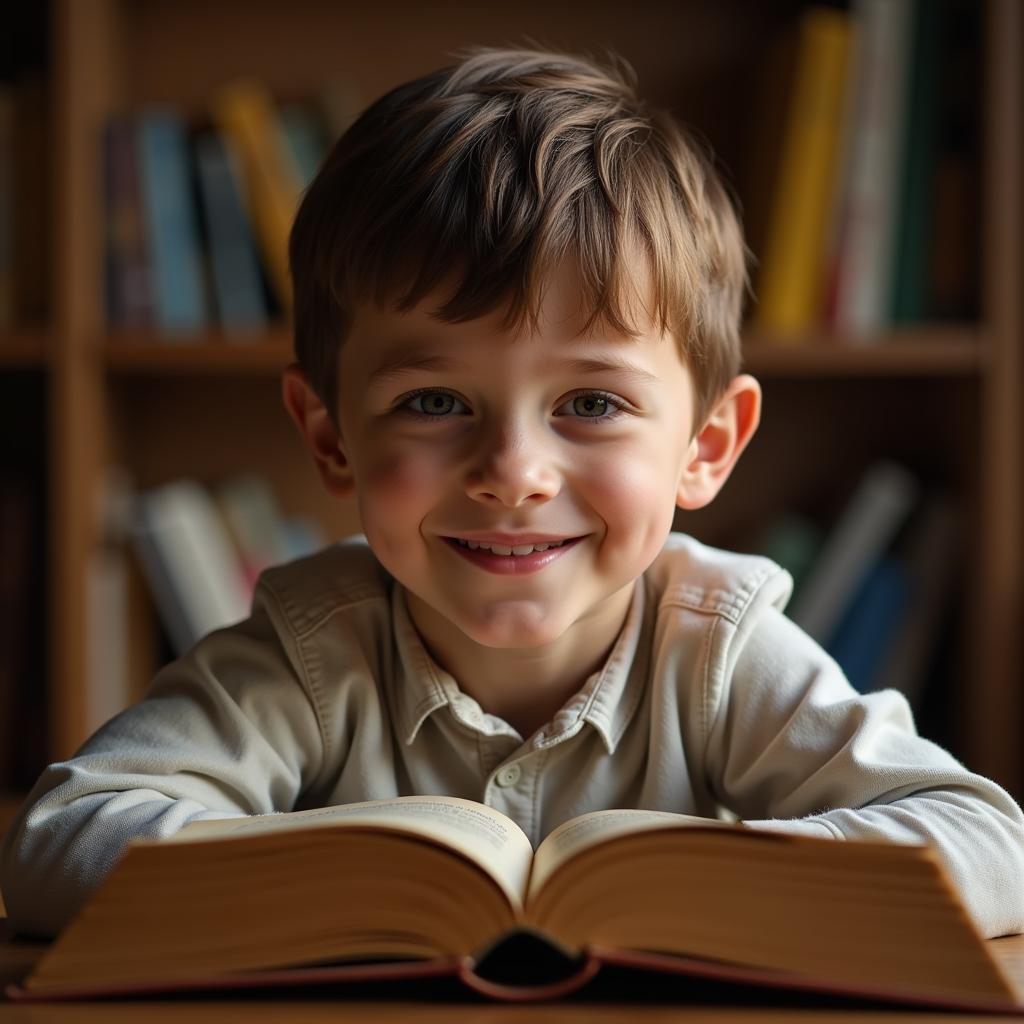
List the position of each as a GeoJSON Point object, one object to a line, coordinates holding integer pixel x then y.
{"type": "Point", "coordinates": [793, 747]}
{"type": "Point", "coordinates": [226, 730]}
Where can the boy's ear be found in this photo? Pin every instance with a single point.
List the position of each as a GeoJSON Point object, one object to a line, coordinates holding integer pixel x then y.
{"type": "Point", "coordinates": [719, 443]}
{"type": "Point", "coordinates": [318, 431]}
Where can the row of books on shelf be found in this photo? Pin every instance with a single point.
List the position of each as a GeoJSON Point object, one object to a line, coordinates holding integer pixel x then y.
{"type": "Point", "coordinates": [200, 550]}
{"type": "Point", "coordinates": [865, 195]}
{"type": "Point", "coordinates": [198, 212]}
{"type": "Point", "coordinates": [875, 588]}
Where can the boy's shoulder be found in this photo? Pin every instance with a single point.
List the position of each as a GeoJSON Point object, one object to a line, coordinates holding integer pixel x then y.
{"type": "Point", "coordinates": [695, 576]}
{"type": "Point", "coordinates": [342, 575]}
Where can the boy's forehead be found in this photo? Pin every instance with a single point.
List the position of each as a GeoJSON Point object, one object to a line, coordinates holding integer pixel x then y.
{"type": "Point", "coordinates": [563, 312]}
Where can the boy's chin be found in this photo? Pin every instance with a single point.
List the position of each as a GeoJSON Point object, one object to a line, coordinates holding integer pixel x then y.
{"type": "Point", "coordinates": [505, 631]}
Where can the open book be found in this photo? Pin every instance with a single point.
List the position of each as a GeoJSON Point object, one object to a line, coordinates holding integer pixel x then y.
{"type": "Point", "coordinates": [428, 885]}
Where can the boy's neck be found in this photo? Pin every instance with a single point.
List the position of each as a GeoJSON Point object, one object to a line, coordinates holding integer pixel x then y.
{"type": "Point", "coordinates": [525, 687]}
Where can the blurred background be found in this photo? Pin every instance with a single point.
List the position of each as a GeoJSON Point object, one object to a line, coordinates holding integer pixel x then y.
{"type": "Point", "coordinates": [152, 154]}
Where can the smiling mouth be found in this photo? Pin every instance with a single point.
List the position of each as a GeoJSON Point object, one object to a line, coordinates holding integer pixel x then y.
{"type": "Point", "coordinates": [519, 550]}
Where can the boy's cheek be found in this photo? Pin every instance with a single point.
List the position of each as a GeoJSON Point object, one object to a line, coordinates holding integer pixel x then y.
{"type": "Point", "coordinates": [398, 478]}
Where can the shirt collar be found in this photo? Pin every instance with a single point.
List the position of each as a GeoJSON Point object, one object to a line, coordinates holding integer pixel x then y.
{"type": "Point", "coordinates": [607, 700]}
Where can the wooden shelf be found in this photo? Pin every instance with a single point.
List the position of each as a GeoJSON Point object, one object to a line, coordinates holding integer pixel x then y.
{"type": "Point", "coordinates": [923, 352]}
{"type": "Point", "coordinates": [24, 348]}
{"type": "Point", "coordinates": [920, 352]}
{"type": "Point", "coordinates": [942, 397]}
{"type": "Point", "coordinates": [211, 354]}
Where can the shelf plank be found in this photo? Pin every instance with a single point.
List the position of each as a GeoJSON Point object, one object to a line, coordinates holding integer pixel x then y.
{"type": "Point", "coordinates": [23, 348]}
{"type": "Point", "coordinates": [922, 353]}
{"type": "Point", "coordinates": [211, 354]}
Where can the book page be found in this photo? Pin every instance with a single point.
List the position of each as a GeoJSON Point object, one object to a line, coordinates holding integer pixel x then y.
{"type": "Point", "coordinates": [578, 834]}
{"type": "Point", "coordinates": [482, 834]}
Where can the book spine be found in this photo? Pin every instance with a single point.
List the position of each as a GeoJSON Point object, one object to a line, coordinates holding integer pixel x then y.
{"type": "Point", "coordinates": [170, 223]}
{"type": "Point", "coordinates": [238, 285]}
{"type": "Point", "coordinates": [304, 137]}
{"type": "Point", "coordinates": [865, 264]}
{"type": "Point", "coordinates": [876, 614]}
{"type": "Point", "coordinates": [129, 294]}
{"type": "Point", "coordinates": [879, 506]}
{"type": "Point", "coordinates": [188, 559]}
{"type": "Point", "coordinates": [791, 285]}
{"type": "Point", "coordinates": [245, 114]}
{"type": "Point", "coordinates": [913, 234]}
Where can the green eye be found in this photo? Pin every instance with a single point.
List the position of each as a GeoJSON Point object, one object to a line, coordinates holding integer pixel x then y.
{"type": "Point", "coordinates": [433, 403]}
{"type": "Point", "coordinates": [590, 405]}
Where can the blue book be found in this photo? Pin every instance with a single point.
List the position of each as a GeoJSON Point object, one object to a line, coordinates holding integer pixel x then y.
{"type": "Point", "coordinates": [868, 629]}
{"type": "Point", "coordinates": [237, 282]}
{"type": "Point", "coordinates": [176, 256]}
{"type": "Point", "coordinates": [303, 138]}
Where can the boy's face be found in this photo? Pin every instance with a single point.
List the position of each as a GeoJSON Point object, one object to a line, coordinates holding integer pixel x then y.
{"type": "Point", "coordinates": [454, 435]}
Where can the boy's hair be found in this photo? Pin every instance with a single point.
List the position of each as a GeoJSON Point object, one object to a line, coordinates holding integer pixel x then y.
{"type": "Point", "coordinates": [494, 170]}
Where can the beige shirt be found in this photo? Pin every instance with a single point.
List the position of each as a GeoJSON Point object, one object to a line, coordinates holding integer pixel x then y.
{"type": "Point", "coordinates": [710, 699]}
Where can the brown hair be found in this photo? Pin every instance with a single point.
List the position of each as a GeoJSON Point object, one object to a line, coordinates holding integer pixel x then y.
{"type": "Point", "coordinates": [498, 167]}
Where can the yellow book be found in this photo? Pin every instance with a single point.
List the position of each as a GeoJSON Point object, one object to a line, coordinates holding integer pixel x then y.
{"type": "Point", "coordinates": [245, 113]}
{"type": "Point", "coordinates": [793, 261]}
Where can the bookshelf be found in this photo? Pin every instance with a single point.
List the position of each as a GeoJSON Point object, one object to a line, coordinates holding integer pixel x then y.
{"type": "Point", "coordinates": [944, 398]}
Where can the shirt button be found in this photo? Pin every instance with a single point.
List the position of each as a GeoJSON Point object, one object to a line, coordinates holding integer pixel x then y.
{"type": "Point", "coordinates": [509, 775]}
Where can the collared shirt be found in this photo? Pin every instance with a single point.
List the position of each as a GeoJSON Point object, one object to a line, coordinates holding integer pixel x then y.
{"type": "Point", "coordinates": [711, 701]}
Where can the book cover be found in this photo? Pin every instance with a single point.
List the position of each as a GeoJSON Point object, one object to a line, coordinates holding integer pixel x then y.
{"type": "Point", "coordinates": [238, 283]}
{"type": "Point", "coordinates": [446, 887]}
{"type": "Point", "coordinates": [188, 561]}
{"type": "Point", "coordinates": [171, 230]}
{"type": "Point", "coordinates": [790, 288]}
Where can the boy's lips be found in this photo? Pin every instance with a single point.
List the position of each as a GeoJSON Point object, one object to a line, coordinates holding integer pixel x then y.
{"type": "Point", "coordinates": [512, 564]}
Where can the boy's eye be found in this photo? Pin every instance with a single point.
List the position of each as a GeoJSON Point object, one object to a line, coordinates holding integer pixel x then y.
{"type": "Point", "coordinates": [435, 404]}
{"type": "Point", "coordinates": [592, 405]}
{"type": "Point", "coordinates": [589, 405]}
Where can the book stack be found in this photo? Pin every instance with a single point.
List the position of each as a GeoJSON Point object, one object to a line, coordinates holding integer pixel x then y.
{"type": "Point", "coordinates": [198, 214]}
{"type": "Point", "coordinates": [865, 213]}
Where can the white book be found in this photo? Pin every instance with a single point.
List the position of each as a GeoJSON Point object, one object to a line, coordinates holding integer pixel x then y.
{"type": "Point", "coordinates": [872, 178]}
{"type": "Point", "coordinates": [880, 505]}
{"type": "Point", "coordinates": [189, 562]}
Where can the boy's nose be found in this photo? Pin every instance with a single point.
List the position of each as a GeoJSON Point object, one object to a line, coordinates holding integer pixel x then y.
{"type": "Point", "coordinates": [509, 469]}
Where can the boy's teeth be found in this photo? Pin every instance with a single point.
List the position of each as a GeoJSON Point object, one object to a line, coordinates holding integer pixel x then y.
{"type": "Point", "coordinates": [504, 549]}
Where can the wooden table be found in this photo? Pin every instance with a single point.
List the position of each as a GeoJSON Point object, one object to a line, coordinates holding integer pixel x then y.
{"type": "Point", "coordinates": [17, 957]}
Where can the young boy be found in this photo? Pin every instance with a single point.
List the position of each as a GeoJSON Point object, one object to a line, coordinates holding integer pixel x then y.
{"type": "Point", "coordinates": [517, 309]}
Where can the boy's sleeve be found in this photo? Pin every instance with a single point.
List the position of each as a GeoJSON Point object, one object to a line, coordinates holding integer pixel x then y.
{"type": "Point", "coordinates": [227, 730]}
{"type": "Point", "coordinates": [793, 747]}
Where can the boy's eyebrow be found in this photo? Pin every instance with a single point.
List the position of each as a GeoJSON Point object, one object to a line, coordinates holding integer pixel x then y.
{"type": "Point", "coordinates": [406, 361]}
